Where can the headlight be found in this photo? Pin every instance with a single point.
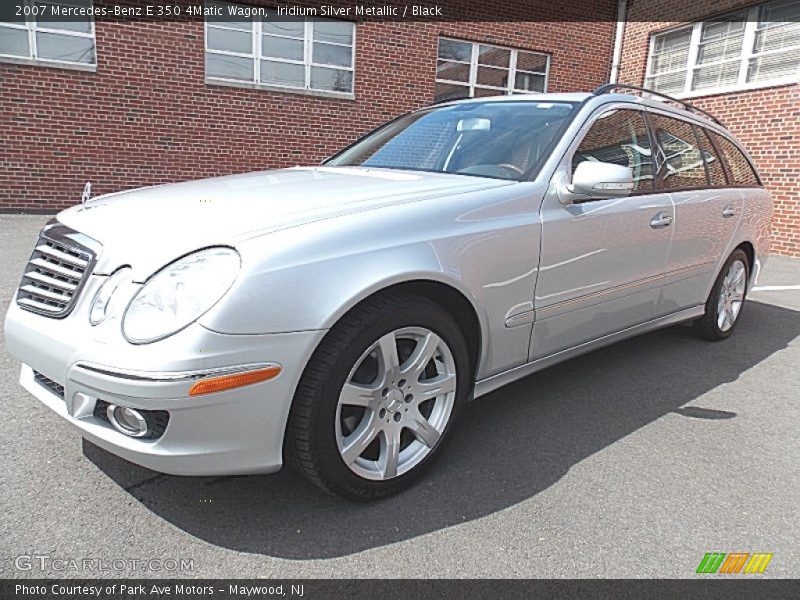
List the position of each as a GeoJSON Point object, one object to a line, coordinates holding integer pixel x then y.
{"type": "Point", "coordinates": [102, 300]}
{"type": "Point", "coordinates": [179, 294]}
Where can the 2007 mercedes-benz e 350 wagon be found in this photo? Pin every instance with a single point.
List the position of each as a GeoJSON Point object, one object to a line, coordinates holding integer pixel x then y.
{"type": "Point", "coordinates": [339, 316]}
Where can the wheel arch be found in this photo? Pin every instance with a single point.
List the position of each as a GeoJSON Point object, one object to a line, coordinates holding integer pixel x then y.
{"type": "Point", "coordinates": [455, 301]}
{"type": "Point", "coordinates": [750, 251]}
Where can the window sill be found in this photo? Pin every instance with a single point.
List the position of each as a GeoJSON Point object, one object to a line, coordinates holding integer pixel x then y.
{"type": "Point", "coordinates": [53, 64]}
{"type": "Point", "coordinates": [738, 89]}
{"type": "Point", "coordinates": [280, 89]}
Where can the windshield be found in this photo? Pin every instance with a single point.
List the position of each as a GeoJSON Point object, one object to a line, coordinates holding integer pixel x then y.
{"type": "Point", "coordinates": [502, 140]}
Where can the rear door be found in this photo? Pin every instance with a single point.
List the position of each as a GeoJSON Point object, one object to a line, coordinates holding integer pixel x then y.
{"type": "Point", "coordinates": [602, 260]}
{"type": "Point", "coordinates": [707, 209]}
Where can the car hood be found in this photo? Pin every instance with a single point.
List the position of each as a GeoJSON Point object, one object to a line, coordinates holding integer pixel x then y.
{"type": "Point", "coordinates": [149, 227]}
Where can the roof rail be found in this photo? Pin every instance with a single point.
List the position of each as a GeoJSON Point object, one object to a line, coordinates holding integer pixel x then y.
{"type": "Point", "coordinates": [610, 87]}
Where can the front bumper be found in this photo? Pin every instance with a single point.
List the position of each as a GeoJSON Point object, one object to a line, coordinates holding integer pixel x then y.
{"type": "Point", "coordinates": [237, 431]}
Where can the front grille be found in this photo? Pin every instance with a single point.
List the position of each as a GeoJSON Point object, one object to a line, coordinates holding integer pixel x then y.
{"type": "Point", "coordinates": [49, 384]}
{"type": "Point", "coordinates": [55, 273]}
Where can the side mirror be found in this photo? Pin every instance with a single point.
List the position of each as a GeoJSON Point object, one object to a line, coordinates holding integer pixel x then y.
{"type": "Point", "coordinates": [601, 180]}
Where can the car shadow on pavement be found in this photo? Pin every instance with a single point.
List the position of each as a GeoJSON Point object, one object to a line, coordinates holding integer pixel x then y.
{"type": "Point", "coordinates": [508, 447]}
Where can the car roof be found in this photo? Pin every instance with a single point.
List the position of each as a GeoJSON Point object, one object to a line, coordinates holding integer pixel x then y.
{"type": "Point", "coordinates": [581, 97]}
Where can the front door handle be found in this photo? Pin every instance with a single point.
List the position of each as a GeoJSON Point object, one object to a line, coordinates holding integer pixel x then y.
{"type": "Point", "coordinates": [728, 211]}
{"type": "Point", "coordinates": [661, 220]}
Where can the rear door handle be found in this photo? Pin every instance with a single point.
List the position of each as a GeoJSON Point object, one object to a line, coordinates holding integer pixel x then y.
{"type": "Point", "coordinates": [728, 211]}
{"type": "Point", "coordinates": [661, 220]}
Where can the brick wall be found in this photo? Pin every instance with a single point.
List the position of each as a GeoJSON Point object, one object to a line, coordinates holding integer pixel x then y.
{"type": "Point", "coordinates": [765, 121]}
{"type": "Point", "coordinates": [146, 116]}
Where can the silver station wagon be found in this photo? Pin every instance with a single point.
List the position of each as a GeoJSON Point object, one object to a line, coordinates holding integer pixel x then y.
{"type": "Point", "coordinates": [339, 316]}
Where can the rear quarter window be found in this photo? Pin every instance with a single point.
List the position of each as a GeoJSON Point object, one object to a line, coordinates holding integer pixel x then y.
{"type": "Point", "coordinates": [739, 167]}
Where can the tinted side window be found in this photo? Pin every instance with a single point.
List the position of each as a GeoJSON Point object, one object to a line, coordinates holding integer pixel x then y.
{"type": "Point", "coordinates": [715, 169]}
{"type": "Point", "coordinates": [620, 137]}
{"type": "Point", "coordinates": [683, 167]}
{"type": "Point", "coordinates": [738, 165]}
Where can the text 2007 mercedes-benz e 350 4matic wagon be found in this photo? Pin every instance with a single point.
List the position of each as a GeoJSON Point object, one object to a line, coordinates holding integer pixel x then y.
{"type": "Point", "coordinates": [338, 316]}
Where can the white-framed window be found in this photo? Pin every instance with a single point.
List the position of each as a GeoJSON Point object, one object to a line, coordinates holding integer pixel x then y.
{"type": "Point", "coordinates": [294, 55]}
{"type": "Point", "coordinates": [469, 69]}
{"type": "Point", "coordinates": [44, 37]}
{"type": "Point", "coordinates": [753, 47]}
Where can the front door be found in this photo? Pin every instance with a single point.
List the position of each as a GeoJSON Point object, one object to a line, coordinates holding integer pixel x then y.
{"type": "Point", "coordinates": [602, 260]}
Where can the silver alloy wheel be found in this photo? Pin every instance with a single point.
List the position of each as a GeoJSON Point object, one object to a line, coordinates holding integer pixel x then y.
{"type": "Point", "coordinates": [731, 295]}
{"type": "Point", "coordinates": [395, 403]}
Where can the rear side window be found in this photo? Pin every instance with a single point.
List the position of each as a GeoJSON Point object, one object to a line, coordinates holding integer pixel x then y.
{"type": "Point", "coordinates": [738, 166]}
{"type": "Point", "coordinates": [683, 163]}
{"type": "Point", "coordinates": [620, 137]}
{"type": "Point", "coordinates": [716, 171]}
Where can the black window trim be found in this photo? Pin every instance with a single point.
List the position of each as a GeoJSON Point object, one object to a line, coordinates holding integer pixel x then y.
{"type": "Point", "coordinates": [706, 135]}
{"type": "Point", "coordinates": [731, 184]}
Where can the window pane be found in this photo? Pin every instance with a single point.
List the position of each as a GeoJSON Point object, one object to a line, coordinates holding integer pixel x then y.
{"type": "Point", "coordinates": [721, 40]}
{"type": "Point", "coordinates": [620, 137]}
{"type": "Point", "coordinates": [667, 84]}
{"type": "Point", "coordinates": [778, 25]}
{"type": "Point", "coordinates": [714, 76]}
{"type": "Point", "coordinates": [333, 31]}
{"type": "Point", "coordinates": [230, 40]}
{"type": "Point", "coordinates": [531, 61]}
{"type": "Point", "coordinates": [82, 25]}
{"type": "Point", "coordinates": [684, 164]}
{"type": "Point", "coordinates": [295, 29]}
{"type": "Point", "coordinates": [327, 54]}
{"type": "Point", "coordinates": [229, 67]}
{"type": "Point", "coordinates": [285, 74]}
{"type": "Point", "coordinates": [738, 165]}
{"type": "Point", "coordinates": [54, 46]}
{"type": "Point", "coordinates": [492, 77]}
{"type": "Point", "coordinates": [491, 55]}
{"type": "Point", "coordinates": [453, 71]}
{"type": "Point", "coordinates": [714, 164]}
{"type": "Point", "coordinates": [455, 50]}
{"type": "Point", "coordinates": [670, 51]}
{"type": "Point", "coordinates": [487, 92]}
{"type": "Point", "coordinates": [450, 91]}
{"type": "Point", "coordinates": [278, 47]}
{"type": "Point", "coordinates": [331, 79]}
{"type": "Point", "coordinates": [14, 41]}
{"type": "Point", "coordinates": [774, 66]}
{"type": "Point", "coordinates": [222, 8]}
{"type": "Point", "coordinates": [775, 36]}
{"type": "Point", "coordinates": [529, 82]}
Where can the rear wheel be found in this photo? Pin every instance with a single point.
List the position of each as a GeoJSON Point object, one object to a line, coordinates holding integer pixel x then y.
{"type": "Point", "coordinates": [725, 303]}
{"type": "Point", "coordinates": [378, 397]}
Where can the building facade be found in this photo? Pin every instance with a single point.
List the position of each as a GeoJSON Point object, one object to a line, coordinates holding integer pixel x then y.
{"type": "Point", "coordinates": [131, 103]}
{"type": "Point", "coordinates": [740, 61]}
{"type": "Point", "coordinates": [128, 104]}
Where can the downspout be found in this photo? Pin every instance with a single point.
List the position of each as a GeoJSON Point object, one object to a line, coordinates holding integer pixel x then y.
{"type": "Point", "coordinates": [622, 9]}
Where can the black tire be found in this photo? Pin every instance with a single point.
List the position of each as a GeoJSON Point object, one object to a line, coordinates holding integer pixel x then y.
{"type": "Point", "coordinates": [707, 326]}
{"type": "Point", "coordinates": [311, 443]}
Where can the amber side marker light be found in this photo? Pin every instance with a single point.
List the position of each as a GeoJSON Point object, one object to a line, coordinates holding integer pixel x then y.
{"type": "Point", "coordinates": [228, 382]}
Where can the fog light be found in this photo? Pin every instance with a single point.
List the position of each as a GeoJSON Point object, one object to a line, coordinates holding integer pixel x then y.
{"type": "Point", "coordinates": [128, 421]}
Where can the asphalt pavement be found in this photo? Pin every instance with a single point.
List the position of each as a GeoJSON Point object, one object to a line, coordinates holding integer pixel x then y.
{"type": "Point", "coordinates": [632, 461]}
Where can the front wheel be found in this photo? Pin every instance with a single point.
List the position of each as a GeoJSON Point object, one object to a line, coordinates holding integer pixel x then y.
{"type": "Point", "coordinates": [725, 302]}
{"type": "Point", "coordinates": [378, 397]}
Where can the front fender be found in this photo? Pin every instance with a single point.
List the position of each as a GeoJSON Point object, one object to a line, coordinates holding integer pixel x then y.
{"type": "Point", "coordinates": [307, 277]}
